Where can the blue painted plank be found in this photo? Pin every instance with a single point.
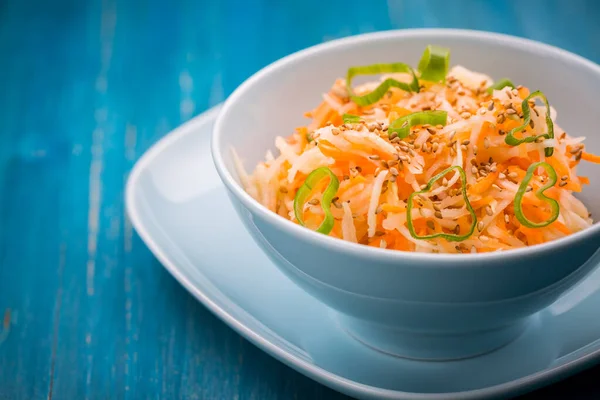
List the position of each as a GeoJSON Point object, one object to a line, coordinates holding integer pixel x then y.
{"type": "Point", "coordinates": [85, 89]}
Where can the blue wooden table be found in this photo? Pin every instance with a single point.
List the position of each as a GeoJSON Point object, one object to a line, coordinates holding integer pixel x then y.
{"type": "Point", "coordinates": [85, 88]}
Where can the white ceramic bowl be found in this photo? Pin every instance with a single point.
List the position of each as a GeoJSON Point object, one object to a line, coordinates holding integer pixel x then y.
{"type": "Point", "coordinates": [427, 306]}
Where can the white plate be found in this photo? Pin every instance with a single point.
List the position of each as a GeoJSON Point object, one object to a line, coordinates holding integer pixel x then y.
{"type": "Point", "coordinates": [179, 207]}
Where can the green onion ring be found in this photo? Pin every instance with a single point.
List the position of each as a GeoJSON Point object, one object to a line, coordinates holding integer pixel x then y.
{"type": "Point", "coordinates": [501, 84]}
{"type": "Point", "coordinates": [305, 191]}
{"type": "Point", "coordinates": [402, 125]}
{"type": "Point", "coordinates": [513, 141]}
{"type": "Point", "coordinates": [434, 62]}
{"type": "Point", "coordinates": [447, 236]}
{"type": "Point", "coordinates": [382, 89]}
{"type": "Point", "coordinates": [554, 206]}
{"type": "Point", "coordinates": [350, 119]}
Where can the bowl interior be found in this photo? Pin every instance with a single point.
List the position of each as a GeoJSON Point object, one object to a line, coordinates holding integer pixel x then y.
{"type": "Point", "coordinates": [273, 101]}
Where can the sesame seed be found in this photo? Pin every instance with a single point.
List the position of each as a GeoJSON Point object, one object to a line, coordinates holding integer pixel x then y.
{"type": "Point", "coordinates": [374, 157]}
{"type": "Point", "coordinates": [335, 131]}
{"type": "Point", "coordinates": [378, 210]}
{"type": "Point", "coordinates": [564, 178]}
{"type": "Point", "coordinates": [488, 210]}
{"type": "Point", "coordinates": [337, 204]}
{"type": "Point", "coordinates": [501, 132]}
{"type": "Point", "coordinates": [283, 189]}
{"type": "Point", "coordinates": [563, 183]}
{"type": "Point", "coordinates": [529, 189]}
{"type": "Point", "coordinates": [463, 147]}
{"type": "Point", "coordinates": [438, 214]}
{"type": "Point", "coordinates": [345, 177]}
{"type": "Point", "coordinates": [394, 171]}
{"type": "Point", "coordinates": [393, 178]}
{"type": "Point", "coordinates": [493, 168]}
{"type": "Point", "coordinates": [358, 168]}
{"type": "Point", "coordinates": [480, 226]}
{"type": "Point", "coordinates": [486, 142]}
{"type": "Point", "coordinates": [491, 106]}
{"type": "Point", "coordinates": [466, 142]}
{"type": "Point", "coordinates": [430, 224]}
{"type": "Point", "coordinates": [531, 124]}
{"type": "Point", "coordinates": [452, 143]}
{"type": "Point", "coordinates": [474, 169]}
{"type": "Point", "coordinates": [509, 94]}
{"type": "Point", "coordinates": [506, 218]}
{"type": "Point", "coordinates": [457, 229]}
{"type": "Point", "coordinates": [513, 175]}
{"type": "Point", "coordinates": [496, 187]}
{"type": "Point", "coordinates": [474, 150]}
{"type": "Point", "coordinates": [451, 136]}
{"type": "Point", "coordinates": [403, 158]}
{"type": "Point", "coordinates": [393, 135]}
{"type": "Point", "coordinates": [384, 164]}
{"type": "Point", "coordinates": [423, 186]}
{"type": "Point", "coordinates": [445, 182]}
{"type": "Point", "coordinates": [510, 111]}
{"type": "Point", "coordinates": [501, 175]}
{"type": "Point", "coordinates": [436, 207]}
{"type": "Point", "coordinates": [575, 150]}
{"type": "Point", "coordinates": [313, 202]}
{"type": "Point", "coordinates": [578, 156]}
{"type": "Point", "coordinates": [465, 115]}
{"type": "Point", "coordinates": [416, 146]}
{"type": "Point", "coordinates": [435, 147]}
{"type": "Point", "coordinates": [501, 118]}
{"type": "Point", "coordinates": [540, 139]}
{"type": "Point", "coordinates": [396, 140]}
{"type": "Point", "coordinates": [391, 163]}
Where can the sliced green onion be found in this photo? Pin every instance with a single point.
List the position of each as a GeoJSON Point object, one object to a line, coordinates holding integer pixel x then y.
{"type": "Point", "coordinates": [501, 84]}
{"type": "Point", "coordinates": [554, 207]}
{"type": "Point", "coordinates": [447, 236]}
{"type": "Point", "coordinates": [434, 62]}
{"type": "Point", "coordinates": [382, 89]}
{"type": "Point", "coordinates": [513, 141]}
{"type": "Point", "coordinates": [305, 191]}
{"type": "Point", "coordinates": [402, 125]}
{"type": "Point", "coordinates": [350, 119]}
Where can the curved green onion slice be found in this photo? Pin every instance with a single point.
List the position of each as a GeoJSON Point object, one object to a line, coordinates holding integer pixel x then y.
{"type": "Point", "coordinates": [513, 141]}
{"type": "Point", "coordinates": [382, 89]}
{"type": "Point", "coordinates": [434, 62]}
{"type": "Point", "coordinates": [447, 236]}
{"type": "Point", "coordinates": [350, 119]}
{"type": "Point", "coordinates": [555, 208]}
{"type": "Point", "coordinates": [305, 191]}
{"type": "Point", "coordinates": [402, 125]}
{"type": "Point", "coordinates": [501, 84]}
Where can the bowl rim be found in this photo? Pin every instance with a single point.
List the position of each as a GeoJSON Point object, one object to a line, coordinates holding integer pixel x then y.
{"type": "Point", "coordinates": [359, 250]}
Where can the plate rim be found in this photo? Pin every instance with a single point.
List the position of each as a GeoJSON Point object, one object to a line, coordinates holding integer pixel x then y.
{"type": "Point", "coordinates": [344, 385]}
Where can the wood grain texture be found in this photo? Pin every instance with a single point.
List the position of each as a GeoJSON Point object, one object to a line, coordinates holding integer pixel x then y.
{"type": "Point", "coordinates": [86, 87]}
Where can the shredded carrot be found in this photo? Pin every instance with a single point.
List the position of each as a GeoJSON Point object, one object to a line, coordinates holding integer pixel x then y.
{"type": "Point", "coordinates": [357, 153]}
{"type": "Point", "coordinates": [590, 157]}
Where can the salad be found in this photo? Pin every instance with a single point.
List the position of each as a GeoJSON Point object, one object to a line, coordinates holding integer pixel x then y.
{"type": "Point", "coordinates": [432, 159]}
